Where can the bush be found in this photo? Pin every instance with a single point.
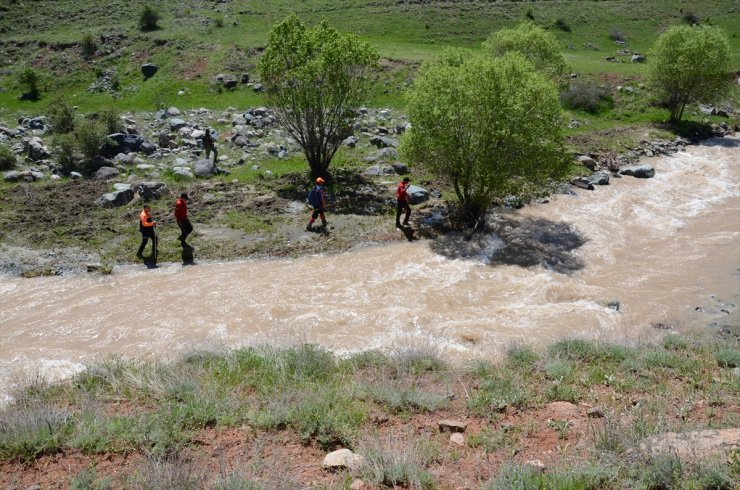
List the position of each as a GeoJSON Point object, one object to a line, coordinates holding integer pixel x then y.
{"type": "Point", "coordinates": [88, 45]}
{"type": "Point", "coordinates": [586, 96]}
{"type": "Point", "coordinates": [561, 24]}
{"type": "Point", "coordinates": [65, 147]}
{"type": "Point", "coordinates": [61, 116]}
{"type": "Point", "coordinates": [90, 137]}
{"type": "Point", "coordinates": [728, 358]}
{"type": "Point", "coordinates": [7, 158]}
{"type": "Point", "coordinates": [521, 357]}
{"type": "Point", "coordinates": [529, 14]}
{"type": "Point", "coordinates": [616, 34]}
{"type": "Point", "coordinates": [148, 19]}
{"type": "Point", "coordinates": [29, 79]}
{"type": "Point", "coordinates": [663, 473]}
{"type": "Point", "coordinates": [111, 120]}
{"type": "Point", "coordinates": [27, 432]}
{"type": "Point", "coordinates": [399, 461]}
{"type": "Point", "coordinates": [691, 17]}
{"type": "Point", "coordinates": [171, 473]}
{"type": "Point", "coordinates": [675, 342]}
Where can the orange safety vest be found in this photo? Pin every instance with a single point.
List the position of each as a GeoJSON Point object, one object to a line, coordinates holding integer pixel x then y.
{"type": "Point", "coordinates": [145, 218]}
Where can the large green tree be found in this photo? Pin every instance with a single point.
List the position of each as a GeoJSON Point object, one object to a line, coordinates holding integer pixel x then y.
{"type": "Point", "coordinates": [315, 78]}
{"type": "Point", "coordinates": [690, 64]}
{"type": "Point", "coordinates": [490, 126]}
{"type": "Point", "coordinates": [534, 43]}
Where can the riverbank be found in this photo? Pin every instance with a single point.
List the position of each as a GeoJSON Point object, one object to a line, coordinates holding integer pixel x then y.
{"type": "Point", "coordinates": [593, 414]}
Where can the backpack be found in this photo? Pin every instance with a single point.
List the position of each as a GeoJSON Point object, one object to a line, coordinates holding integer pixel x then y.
{"type": "Point", "coordinates": [314, 197]}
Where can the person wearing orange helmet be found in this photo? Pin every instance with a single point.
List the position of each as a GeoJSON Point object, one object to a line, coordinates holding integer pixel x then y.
{"type": "Point", "coordinates": [317, 200]}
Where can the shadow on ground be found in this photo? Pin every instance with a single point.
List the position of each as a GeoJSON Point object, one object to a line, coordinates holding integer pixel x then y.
{"type": "Point", "coordinates": [525, 242]}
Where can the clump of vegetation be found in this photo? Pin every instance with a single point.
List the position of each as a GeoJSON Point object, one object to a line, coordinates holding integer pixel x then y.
{"type": "Point", "coordinates": [29, 79]}
{"type": "Point", "coordinates": [530, 13]}
{"type": "Point", "coordinates": [535, 44]}
{"type": "Point", "coordinates": [588, 96]}
{"type": "Point", "coordinates": [561, 24]}
{"type": "Point", "coordinates": [400, 462]}
{"type": "Point", "coordinates": [62, 116]}
{"type": "Point", "coordinates": [148, 20]}
{"type": "Point", "coordinates": [89, 46]}
{"type": "Point", "coordinates": [7, 158]}
{"type": "Point", "coordinates": [616, 34]}
{"type": "Point", "coordinates": [110, 119]}
{"type": "Point", "coordinates": [691, 17]}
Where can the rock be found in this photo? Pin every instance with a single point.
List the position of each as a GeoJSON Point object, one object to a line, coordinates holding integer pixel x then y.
{"type": "Point", "coordinates": [582, 183]}
{"type": "Point", "coordinates": [448, 425]}
{"type": "Point", "coordinates": [183, 172]}
{"type": "Point", "coordinates": [350, 142]}
{"type": "Point", "coordinates": [149, 70]}
{"type": "Point", "coordinates": [116, 199]}
{"type": "Point", "coordinates": [121, 143]}
{"type": "Point", "coordinates": [147, 147]}
{"type": "Point", "coordinates": [598, 178]}
{"type": "Point", "coordinates": [144, 166]}
{"type": "Point", "coordinates": [230, 83]}
{"type": "Point", "coordinates": [12, 176]}
{"type": "Point", "coordinates": [400, 168]}
{"type": "Point", "coordinates": [693, 445]}
{"type": "Point", "coordinates": [204, 168]}
{"type": "Point", "coordinates": [343, 458]}
{"type": "Point", "coordinates": [75, 175]}
{"type": "Point", "coordinates": [150, 191]}
{"type": "Point", "coordinates": [177, 123]}
{"type": "Point", "coordinates": [179, 162]}
{"type": "Point", "coordinates": [595, 413]}
{"type": "Point", "coordinates": [638, 58]}
{"type": "Point", "coordinates": [357, 485]}
{"type": "Point", "coordinates": [383, 155]}
{"type": "Point", "coordinates": [378, 170]}
{"type": "Point", "coordinates": [383, 142]}
{"type": "Point", "coordinates": [173, 111]}
{"type": "Point", "coordinates": [417, 194]}
{"type": "Point", "coordinates": [587, 162]}
{"type": "Point", "coordinates": [257, 87]}
{"type": "Point", "coordinates": [639, 171]}
{"type": "Point", "coordinates": [36, 149]}
{"type": "Point", "coordinates": [123, 159]}
{"type": "Point", "coordinates": [241, 141]}
{"type": "Point", "coordinates": [121, 187]}
{"type": "Point", "coordinates": [536, 465]}
{"type": "Point", "coordinates": [245, 78]}
{"type": "Point", "coordinates": [614, 305]}
{"type": "Point", "coordinates": [106, 173]}
{"type": "Point", "coordinates": [457, 439]}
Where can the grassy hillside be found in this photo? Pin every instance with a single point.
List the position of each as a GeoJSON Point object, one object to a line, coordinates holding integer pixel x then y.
{"type": "Point", "coordinates": [199, 39]}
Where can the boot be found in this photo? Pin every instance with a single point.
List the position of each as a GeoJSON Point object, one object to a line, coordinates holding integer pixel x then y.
{"type": "Point", "coordinates": [308, 227]}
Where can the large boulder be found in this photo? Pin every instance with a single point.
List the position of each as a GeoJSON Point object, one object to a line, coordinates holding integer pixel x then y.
{"type": "Point", "coordinates": [378, 170]}
{"type": "Point", "coordinates": [383, 142]}
{"type": "Point", "coordinates": [106, 173]}
{"type": "Point", "coordinates": [183, 172]}
{"type": "Point", "coordinates": [639, 171]}
{"type": "Point", "coordinates": [343, 458]}
{"type": "Point", "coordinates": [36, 149]}
{"type": "Point", "coordinates": [12, 176]}
{"type": "Point", "coordinates": [177, 123]}
{"type": "Point", "coordinates": [400, 168]}
{"type": "Point", "coordinates": [582, 183]}
{"type": "Point", "coordinates": [638, 58]}
{"type": "Point", "coordinates": [150, 191]}
{"type": "Point", "coordinates": [204, 168]}
{"type": "Point", "coordinates": [417, 194]}
{"type": "Point", "coordinates": [587, 162]}
{"type": "Point", "coordinates": [116, 199]}
{"type": "Point", "coordinates": [149, 70]}
{"type": "Point", "coordinates": [383, 155]}
{"type": "Point", "coordinates": [599, 178]}
{"type": "Point", "coordinates": [121, 143]}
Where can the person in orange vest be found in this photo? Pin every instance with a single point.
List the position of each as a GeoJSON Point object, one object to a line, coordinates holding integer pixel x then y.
{"type": "Point", "coordinates": [146, 227]}
{"type": "Point", "coordinates": [402, 202]}
{"type": "Point", "coordinates": [181, 216]}
{"type": "Point", "coordinates": [317, 200]}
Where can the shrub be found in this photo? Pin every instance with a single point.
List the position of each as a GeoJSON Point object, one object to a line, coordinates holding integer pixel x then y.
{"type": "Point", "coordinates": [398, 461]}
{"type": "Point", "coordinates": [521, 357]}
{"type": "Point", "coordinates": [171, 473]}
{"type": "Point", "coordinates": [110, 118]}
{"type": "Point", "coordinates": [560, 370]}
{"type": "Point", "coordinates": [559, 391]}
{"type": "Point", "coordinates": [29, 79]}
{"type": "Point", "coordinates": [65, 147]}
{"type": "Point", "coordinates": [504, 387]}
{"type": "Point", "coordinates": [561, 24]}
{"type": "Point", "coordinates": [415, 356]}
{"type": "Point", "coordinates": [691, 17]}
{"type": "Point", "coordinates": [88, 45]}
{"type": "Point", "coordinates": [728, 358]}
{"type": "Point", "coordinates": [398, 398]}
{"type": "Point", "coordinates": [87, 480]}
{"type": "Point", "coordinates": [675, 342]}
{"type": "Point", "coordinates": [7, 158]}
{"type": "Point", "coordinates": [61, 116]}
{"type": "Point", "coordinates": [586, 96]}
{"type": "Point", "coordinates": [90, 137]}
{"type": "Point", "coordinates": [663, 473]}
{"type": "Point", "coordinates": [148, 19]}
{"type": "Point", "coordinates": [530, 13]}
{"type": "Point", "coordinates": [616, 34]}
{"type": "Point", "coordinates": [27, 432]}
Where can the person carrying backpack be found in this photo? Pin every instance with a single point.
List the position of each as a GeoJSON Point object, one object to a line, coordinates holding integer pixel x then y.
{"type": "Point", "coordinates": [402, 203]}
{"type": "Point", "coordinates": [210, 146]}
{"type": "Point", "coordinates": [146, 227]}
{"type": "Point", "coordinates": [317, 200]}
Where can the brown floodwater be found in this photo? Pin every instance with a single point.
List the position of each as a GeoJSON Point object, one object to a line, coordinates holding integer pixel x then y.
{"type": "Point", "coordinates": [661, 247]}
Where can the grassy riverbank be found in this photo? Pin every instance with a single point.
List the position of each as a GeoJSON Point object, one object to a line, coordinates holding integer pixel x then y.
{"type": "Point", "coordinates": [264, 417]}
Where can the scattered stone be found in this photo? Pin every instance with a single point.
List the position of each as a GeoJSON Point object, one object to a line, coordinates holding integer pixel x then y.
{"type": "Point", "coordinates": [350, 142]}
{"type": "Point", "coordinates": [448, 425]}
{"type": "Point", "coordinates": [121, 143]}
{"type": "Point", "coordinates": [177, 123]}
{"type": "Point", "coordinates": [383, 142]}
{"type": "Point", "coordinates": [638, 58]}
{"type": "Point", "coordinates": [183, 172]}
{"type": "Point", "coordinates": [639, 171]}
{"type": "Point", "coordinates": [599, 178]}
{"type": "Point", "coordinates": [173, 111]}
{"type": "Point", "coordinates": [106, 173]}
{"type": "Point", "coordinates": [75, 175]}
{"type": "Point", "coordinates": [343, 458]}
{"type": "Point", "coordinates": [582, 183]}
{"type": "Point", "coordinates": [595, 413]}
{"type": "Point", "coordinates": [357, 485]}
{"type": "Point", "coordinates": [536, 465]}
{"type": "Point", "coordinates": [417, 195]}
{"type": "Point", "coordinates": [457, 439]}
{"type": "Point", "coordinates": [379, 170]}
{"type": "Point", "coordinates": [693, 445]}
{"type": "Point", "coordinates": [12, 176]}
{"type": "Point", "coordinates": [150, 191]}
{"type": "Point", "coordinates": [383, 155]}
{"type": "Point", "coordinates": [587, 162]}
{"type": "Point", "coordinates": [149, 70]}
{"type": "Point", "coordinates": [119, 186]}
{"type": "Point", "coordinates": [204, 168]}
{"type": "Point", "coordinates": [116, 199]}
{"type": "Point", "coordinates": [36, 149]}
{"type": "Point", "coordinates": [400, 168]}
{"type": "Point", "coordinates": [614, 305]}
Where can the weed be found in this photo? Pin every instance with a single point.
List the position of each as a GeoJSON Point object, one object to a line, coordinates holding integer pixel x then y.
{"type": "Point", "coordinates": [88, 46]}
{"type": "Point", "coordinates": [110, 118]}
{"type": "Point", "coordinates": [691, 17]}
{"type": "Point", "coordinates": [62, 116]}
{"type": "Point", "coordinates": [586, 96]}
{"type": "Point", "coordinates": [29, 79]}
{"type": "Point", "coordinates": [663, 472]}
{"type": "Point", "coordinates": [561, 426]}
{"type": "Point", "coordinates": [616, 34]}
{"type": "Point", "coordinates": [521, 357]}
{"type": "Point", "coordinates": [170, 473]}
{"type": "Point", "coordinates": [514, 477]}
{"type": "Point", "coordinates": [610, 437]}
{"type": "Point", "coordinates": [561, 24]}
{"type": "Point", "coordinates": [400, 397]}
{"type": "Point", "coordinates": [369, 359]}
{"type": "Point", "coordinates": [148, 20]}
{"type": "Point", "coordinates": [491, 440]}
{"type": "Point", "coordinates": [87, 479]}
{"type": "Point", "coordinates": [27, 432]}
{"type": "Point", "coordinates": [329, 417]}
{"type": "Point", "coordinates": [560, 391]}
{"type": "Point", "coordinates": [504, 387]}
{"type": "Point", "coordinates": [398, 461]}
{"type": "Point", "coordinates": [529, 14]}
{"type": "Point", "coordinates": [7, 158]}
{"type": "Point", "coordinates": [728, 358]}
{"type": "Point", "coordinates": [675, 342]}
{"type": "Point", "coordinates": [560, 370]}
{"type": "Point", "coordinates": [415, 356]}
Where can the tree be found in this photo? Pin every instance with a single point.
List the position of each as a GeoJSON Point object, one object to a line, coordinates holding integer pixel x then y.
{"type": "Point", "coordinates": [491, 126]}
{"type": "Point", "coordinates": [690, 64]}
{"type": "Point", "coordinates": [534, 43]}
{"type": "Point", "coordinates": [315, 78]}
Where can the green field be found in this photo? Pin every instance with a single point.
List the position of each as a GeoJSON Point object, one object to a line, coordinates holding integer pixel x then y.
{"type": "Point", "coordinates": [198, 40]}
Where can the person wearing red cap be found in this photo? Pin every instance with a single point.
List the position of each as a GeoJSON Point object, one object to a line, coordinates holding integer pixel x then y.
{"type": "Point", "coordinates": [317, 200]}
{"type": "Point", "coordinates": [402, 202]}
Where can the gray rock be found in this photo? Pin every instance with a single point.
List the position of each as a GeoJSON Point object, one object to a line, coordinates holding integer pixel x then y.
{"type": "Point", "coordinates": [452, 426]}
{"type": "Point", "coordinates": [12, 176]}
{"type": "Point", "coordinates": [257, 87]}
{"type": "Point", "coordinates": [383, 142]}
{"type": "Point", "coordinates": [75, 175]}
{"type": "Point", "coordinates": [147, 147]}
{"type": "Point", "coordinates": [204, 168]}
{"type": "Point", "coordinates": [383, 155]}
{"type": "Point", "coordinates": [123, 158]}
{"type": "Point", "coordinates": [149, 191]}
{"type": "Point", "coordinates": [343, 458]}
{"type": "Point", "coordinates": [457, 439]}
{"type": "Point", "coordinates": [587, 162]}
{"type": "Point", "coordinates": [598, 178]}
{"type": "Point", "coordinates": [417, 194]}
{"type": "Point", "coordinates": [121, 186]}
{"type": "Point", "coordinates": [36, 149]}
{"type": "Point", "coordinates": [183, 172]}
{"type": "Point", "coordinates": [582, 183]}
{"type": "Point", "coordinates": [121, 143]}
{"type": "Point", "coordinates": [378, 170]}
{"type": "Point", "coordinates": [350, 141]}
{"type": "Point", "coordinates": [639, 171]}
{"type": "Point", "coordinates": [400, 168]}
{"type": "Point", "coordinates": [180, 162]}
{"type": "Point", "coordinates": [116, 199]}
{"type": "Point", "coordinates": [106, 173]}
{"type": "Point", "coordinates": [173, 111]}
{"type": "Point", "coordinates": [149, 70]}
{"type": "Point", "coordinates": [638, 58]}
{"type": "Point", "coordinates": [177, 123]}
{"type": "Point", "coordinates": [144, 166]}
{"type": "Point", "coordinates": [693, 445]}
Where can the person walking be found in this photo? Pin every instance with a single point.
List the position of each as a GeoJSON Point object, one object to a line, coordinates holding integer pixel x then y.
{"type": "Point", "coordinates": [402, 202]}
{"type": "Point", "coordinates": [181, 216]}
{"type": "Point", "coordinates": [210, 145]}
{"type": "Point", "coordinates": [317, 200]}
{"type": "Point", "coordinates": [147, 228]}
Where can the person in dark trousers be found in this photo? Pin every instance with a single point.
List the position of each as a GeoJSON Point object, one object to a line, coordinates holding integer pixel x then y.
{"type": "Point", "coordinates": [402, 203]}
{"type": "Point", "coordinates": [210, 145]}
{"type": "Point", "coordinates": [147, 228]}
{"type": "Point", "coordinates": [181, 216]}
{"type": "Point", "coordinates": [317, 200]}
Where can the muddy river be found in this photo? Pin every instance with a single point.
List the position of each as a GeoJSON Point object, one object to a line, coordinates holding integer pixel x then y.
{"type": "Point", "coordinates": [667, 249]}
